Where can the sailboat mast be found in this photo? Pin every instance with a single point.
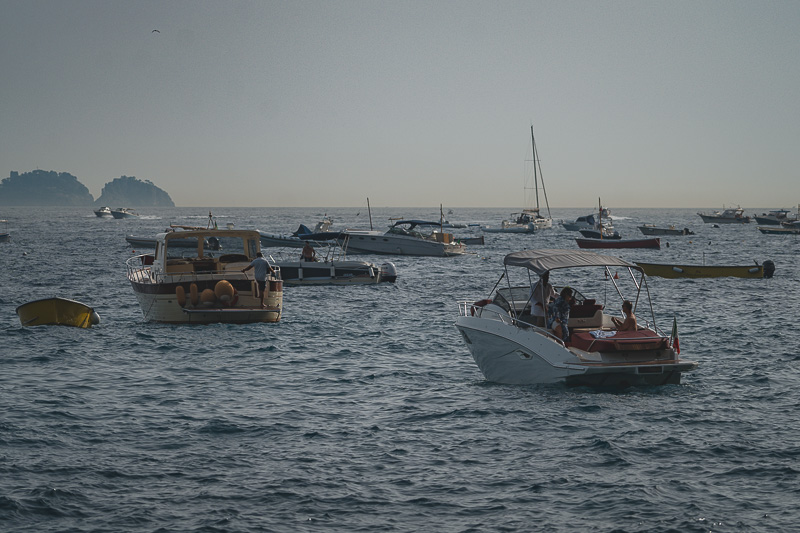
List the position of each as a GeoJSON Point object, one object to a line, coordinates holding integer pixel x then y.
{"type": "Point", "coordinates": [538, 167]}
{"type": "Point", "coordinates": [535, 164]}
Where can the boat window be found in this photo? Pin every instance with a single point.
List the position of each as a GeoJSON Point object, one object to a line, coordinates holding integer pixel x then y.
{"type": "Point", "coordinates": [224, 245]}
{"type": "Point", "coordinates": [178, 248]}
{"type": "Point", "coordinates": [253, 248]}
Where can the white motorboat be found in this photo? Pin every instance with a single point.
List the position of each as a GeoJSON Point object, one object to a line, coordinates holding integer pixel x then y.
{"type": "Point", "coordinates": [730, 215]}
{"type": "Point", "coordinates": [124, 212]}
{"type": "Point", "coordinates": [4, 235]}
{"type": "Point", "coordinates": [530, 220]}
{"type": "Point", "coordinates": [508, 347]}
{"type": "Point", "coordinates": [652, 229]}
{"type": "Point", "coordinates": [401, 239]}
{"type": "Point", "coordinates": [776, 217]}
{"type": "Point", "coordinates": [203, 284]}
{"type": "Point", "coordinates": [104, 211]}
{"type": "Point", "coordinates": [331, 267]}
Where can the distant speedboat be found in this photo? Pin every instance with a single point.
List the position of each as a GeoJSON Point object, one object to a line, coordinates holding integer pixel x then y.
{"type": "Point", "coordinates": [334, 269]}
{"type": "Point", "coordinates": [730, 215]}
{"type": "Point", "coordinates": [57, 312]}
{"type": "Point", "coordinates": [654, 243]}
{"type": "Point", "coordinates": [779, 230]}
{"type": "Point", "coordinates": [604, 233]}
{"type": "Point", "coordinates": [649, 229]}
{"type": "Point", "coordinates": [776, 217]}
{"type": "Point", "coordinates": [4, 235]}
{"type": "Point", "coordinates": [402, 238]}
{"type": "Point", "coordinates": [124, 212]}
{"type": "Point", "coordinates": [104, 211]}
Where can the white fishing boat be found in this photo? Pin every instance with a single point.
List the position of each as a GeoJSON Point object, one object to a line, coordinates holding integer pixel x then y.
{"type": "Point", "coordinates": [729, 215]}
{"type": "Point", "coordinates": [529, 220]}
{"type": "Point", "coordinates": [508, 348]}
{"type": "Point", "coordinates": [776, 217]}
{"type": "Point", "coordinates": [203, 284]}
{"type": "Point", "coordinates": [104, 211]}
{"type": "Point", "coordinates": [124, 212]}
{"type": "Point", "coordinates": [4, 235]}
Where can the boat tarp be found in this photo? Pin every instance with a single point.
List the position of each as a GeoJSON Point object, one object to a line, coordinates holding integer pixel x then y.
{"type": "Point", "coordinates": [541, 261]}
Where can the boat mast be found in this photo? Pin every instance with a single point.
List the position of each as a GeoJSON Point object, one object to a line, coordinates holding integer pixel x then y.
{"type": "Point", "coordinates": [370, 214]}
{"type": "Point", "coordinates": [538, 167]}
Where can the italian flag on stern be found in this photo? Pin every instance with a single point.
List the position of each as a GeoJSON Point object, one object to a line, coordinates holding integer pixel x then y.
{"type": "Point", "coordinates": [675, 344]}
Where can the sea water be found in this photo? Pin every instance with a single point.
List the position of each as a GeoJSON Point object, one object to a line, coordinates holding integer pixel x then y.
{"type": "Point", "coordinates": [362, 410]}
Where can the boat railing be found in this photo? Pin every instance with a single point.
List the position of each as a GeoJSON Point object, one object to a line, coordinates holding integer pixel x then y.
{"type": "Point", "coordinates": [139, 268]}
{"type": "Point", "coordinates": [467, 308]}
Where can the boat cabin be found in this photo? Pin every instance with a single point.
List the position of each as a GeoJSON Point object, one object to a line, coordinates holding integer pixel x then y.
{"type": "Point", "coordinates": [214, 250]}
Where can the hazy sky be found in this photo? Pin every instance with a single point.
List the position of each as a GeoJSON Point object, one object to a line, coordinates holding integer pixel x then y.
{"type": "Point", "coordinates": [409, 103]}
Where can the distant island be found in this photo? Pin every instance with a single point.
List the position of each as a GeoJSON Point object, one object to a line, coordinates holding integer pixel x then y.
{"type": "Point", "coordinates": [43, 187]}
{"type": "Point", "coordinates": [129, 191]}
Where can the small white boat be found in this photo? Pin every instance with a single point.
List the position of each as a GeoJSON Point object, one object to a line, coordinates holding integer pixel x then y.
{"type": "Point", "coordinates": [775, 217]}
{"type": "Point", "coordinates": [508, 348]}
{"type": "Point", "coordinates": [730, 215]}
{"type": "Point", "coordinates": [333, 268]}
{"type": "Point", "coordinates": [203, 284]}
{"type": "Point", "coordinates": [401, 239]}
{"type": "Point", "coordinates": [124, 212]}
{"type": "Point", "coordinates": [584, 222]}
{"type": "Point", "coordinates": [4, 235]}
{"type": "Point", "coordinates": [651, 229]}
{"type": "Point", "coordinates": [104, 211]}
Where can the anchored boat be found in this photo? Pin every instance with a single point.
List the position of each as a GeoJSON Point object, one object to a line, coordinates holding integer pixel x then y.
{"type": "Point", "coordinates": [57, 312]}
{"type": "Point", "coordinates": [204, 284]}
{"type": "Point", "coordinates": [660, 270]}
{"type": "Point", "coordinates": [509, 347]}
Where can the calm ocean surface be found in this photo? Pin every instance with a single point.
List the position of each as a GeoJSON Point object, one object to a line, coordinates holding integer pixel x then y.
{"type": "Point", "coordinates": [362, 410]}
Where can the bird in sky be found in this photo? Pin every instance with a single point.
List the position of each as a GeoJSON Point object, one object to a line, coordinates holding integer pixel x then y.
{"type": "Point", "coordinates": [155, 31]}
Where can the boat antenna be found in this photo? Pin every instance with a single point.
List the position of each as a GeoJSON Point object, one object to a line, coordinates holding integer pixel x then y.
{"type": "Point", "coordinates": [370, 214]}
{"type": "Point", "coordinates": [441, 218]}
{"type": "Point", "coordinates": [600, 217]}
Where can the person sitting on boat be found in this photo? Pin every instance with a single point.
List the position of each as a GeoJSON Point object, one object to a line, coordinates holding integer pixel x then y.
{"type": "Point", "coordinates": [308, 253]}
{"type": "Point", "coordinates": [558, 311]}
{"type": "Point", "coordinates": [629, 324]}
{"type": "Point", "coordinates": [261, 266]}
{"type": "Point", "coordinates": [541, 294]}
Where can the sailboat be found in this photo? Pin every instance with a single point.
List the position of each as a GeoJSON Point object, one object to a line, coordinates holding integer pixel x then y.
{"type": "Point", "coordinates": [530, 219]}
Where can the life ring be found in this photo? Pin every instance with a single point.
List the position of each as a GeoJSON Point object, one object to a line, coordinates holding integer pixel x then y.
{"type": "Point", "coordinates": [479, 303]}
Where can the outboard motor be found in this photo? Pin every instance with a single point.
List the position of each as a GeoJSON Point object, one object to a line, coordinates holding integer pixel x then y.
{"type": "Point", "coordinates": [388, 272]}
{"type": "Point", "coordinates": [769, 268]}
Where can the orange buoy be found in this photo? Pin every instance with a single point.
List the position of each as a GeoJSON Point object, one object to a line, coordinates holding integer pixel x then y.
{"type": "Point", "coordinates": [193, 296]}
{"type": "Point", "coordinates": [180, 293]}
{"type": "Point", "coordinates": [224, 291]}
{"type": "Point", "coordinates": [207, 297]}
